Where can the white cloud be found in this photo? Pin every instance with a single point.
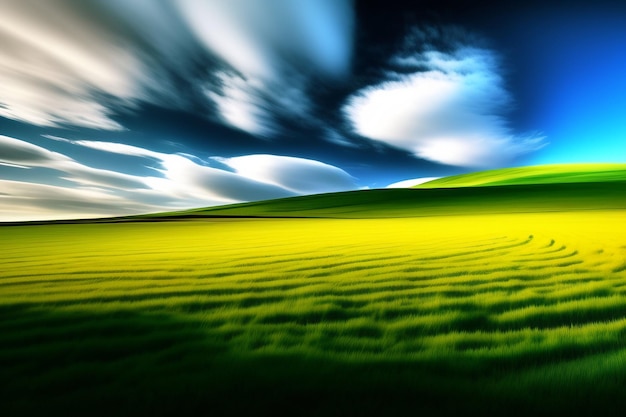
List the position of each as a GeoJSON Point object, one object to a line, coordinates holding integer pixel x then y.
{"type": "Point", "coordinates": [450, 108]}
{"type": "Point", "coordinates": [253, 37]}
{"type": "Point", "coordinates": [20, 201]}
{"type": "Point", "coordinates": [85, 175]}
{"type": "Point", "coordinates": [218, 184]}
{"type": "Point", "coordinates": [256, 177]}
{"type": "Point", "coordinates": [411, 183]}
{"type": "Point", "coordinates": [180, 181]}
{"type": "Point", "coordinates": [57, 63]}
{"type": "Point", "coordinates": [219, 26]}
{"type": "Point", "coordinates": [67, 62]}
{"type": "Point", "coordinates": [301, 176]}
{"type": "Point", "coordinates": [273, 47]}
{"type": "Point", "coordinates": [15, 151]}
{"type": "Point", "coordinates": [240, 105]}
{"type": "Point", "coordinates": [119, 148]}
{"type": "Point", "coordinates": [183, 177]}
{"type": "Point", "coordinates": [95, 193]}
{"type": "Point", "coordinates": [6, 164]}
{"type": "Point", "coordinates": [24, 154]}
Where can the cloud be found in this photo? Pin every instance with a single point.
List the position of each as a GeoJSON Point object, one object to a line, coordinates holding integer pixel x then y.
{"type": "Point", "coordinates": [333, 136]}
{"type": "Point", "coordinates": [70, 62]}
{"type": "Point", "coordinates": [61, 66]}
{"type": "Point", "coordinates": [85, 175]}
{"type": "Point", "coordinates": [31, 201]}
{"type": "Point", "coordinates": [301, 176]}
{"type": "Point", "coordinates": [181, 176]}
{"type": "Point", "coordinates": [255, 177]}
{"type": "Point", "coordinates": [19, 152]}
{"type": "Point", "coordinates": [26, 155]}
{"type": "Point", "coordinates": [118, 148]}
{"type": "Point", "coordinates": [273, 48]}
{"type": "Point", "coordinates": [6, 164]}
{"type": "Point", "coordinates": [257, 38]}
{"type": "Point", "coordinates": [446, 106]}
{"type": "Point", "coordinates": [180, 181]}
{"type": "Point", "coordinates": [411, 183]}
{"type": "Point", "coordinates": [240, 104]}
{"type": "Point", "coordinates": [217, 184]}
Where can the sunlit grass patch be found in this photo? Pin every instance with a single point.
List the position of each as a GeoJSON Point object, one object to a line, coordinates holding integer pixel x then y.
{"type": "Point", "coordinates": [542, 174]}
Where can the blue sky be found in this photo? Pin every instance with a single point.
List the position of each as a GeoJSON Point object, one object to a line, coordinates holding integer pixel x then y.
{"type": "Point", "coordinates": [116, 107]}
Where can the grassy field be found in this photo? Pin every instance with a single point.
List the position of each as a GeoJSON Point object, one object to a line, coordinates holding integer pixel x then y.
{"type": "Point", "coordinates": [500, 310]}
{"type": "Point", "coordinates": [386, 203]}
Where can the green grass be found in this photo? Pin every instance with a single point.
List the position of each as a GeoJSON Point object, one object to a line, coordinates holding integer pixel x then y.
{"type": "Point", "coordinates": [502, 300]}
{"type": "Point", "coordinates": [542, 174]}
{"type": "Point", "coordinates": [396, 203]}
{"type": "Point", "coordinates": [506, 313]}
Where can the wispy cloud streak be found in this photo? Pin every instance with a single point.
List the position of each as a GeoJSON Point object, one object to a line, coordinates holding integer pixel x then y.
{"type": "Point", "coordinates": [70, 62]}
{"type": "Point", "coordinates": [180, 181]}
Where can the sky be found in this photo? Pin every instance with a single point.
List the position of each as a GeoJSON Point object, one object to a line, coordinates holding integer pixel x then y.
{"type": "Point", "coordinates": [116, 107]}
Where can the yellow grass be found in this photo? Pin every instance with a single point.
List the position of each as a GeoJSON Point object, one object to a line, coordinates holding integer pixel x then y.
{"type": "Point", "coordinates": [511, 296]}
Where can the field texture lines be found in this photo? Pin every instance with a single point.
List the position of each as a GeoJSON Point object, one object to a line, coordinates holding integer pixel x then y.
{"type": "Point", "coordinates": [507, 312]}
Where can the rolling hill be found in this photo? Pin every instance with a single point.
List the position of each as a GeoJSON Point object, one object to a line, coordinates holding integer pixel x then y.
{"type": "Point", "coordinates": [529, 189]}
{"type": "Point", "coordinates": [547, 188]}
{"type": "Point", "coordinates": [541, 174]}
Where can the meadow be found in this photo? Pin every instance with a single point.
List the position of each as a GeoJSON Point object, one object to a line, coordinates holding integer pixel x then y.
{"type": "Point", "coordinates": [489, 312]}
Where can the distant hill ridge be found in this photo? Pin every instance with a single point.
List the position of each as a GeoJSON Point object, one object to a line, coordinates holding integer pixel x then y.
{"type": "Point", "coordinates": [528, 189]}
{"type": "Point", "coordinates": [546, 188]}
{"type": "Point", "coordinates": [540, 174]}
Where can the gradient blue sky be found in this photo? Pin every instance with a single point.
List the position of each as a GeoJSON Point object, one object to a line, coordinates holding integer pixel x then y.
{"type": "Point", "coordinates": [111, 107]}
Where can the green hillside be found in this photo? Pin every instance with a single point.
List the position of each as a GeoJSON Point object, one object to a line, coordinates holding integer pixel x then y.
{"type": "Point", "coordinates": [548, 188]}
{"type": "Point", "coordinates": [426, 202]}
{"type": "Point", "coordinates": [541, 174]}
